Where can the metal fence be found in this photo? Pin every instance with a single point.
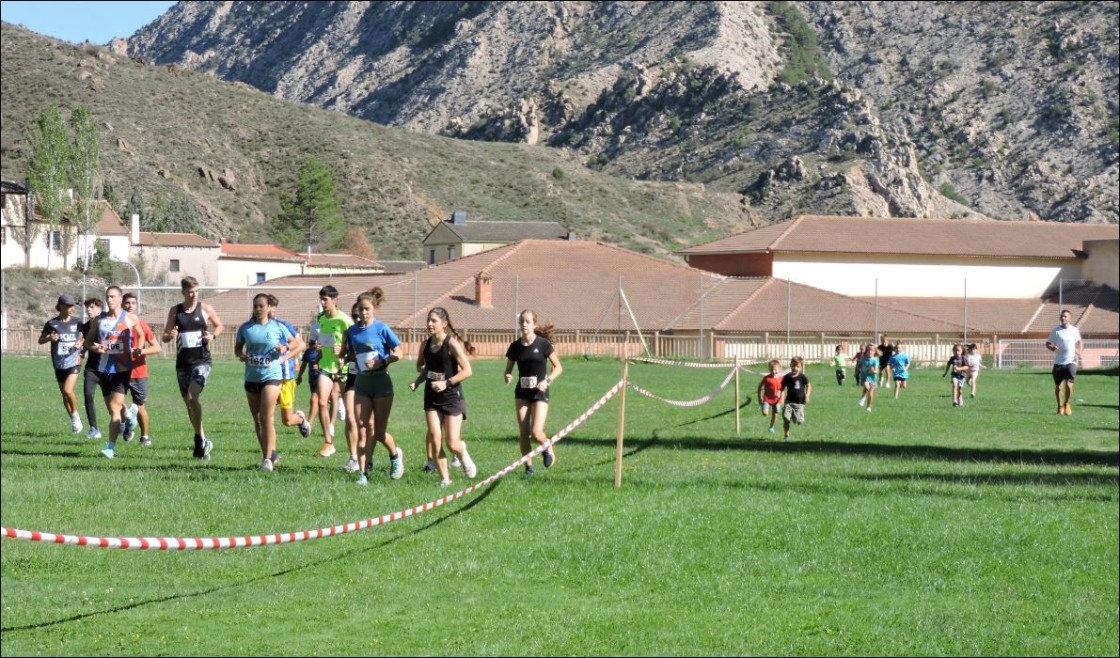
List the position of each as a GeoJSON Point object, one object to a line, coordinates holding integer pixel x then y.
{"type": "Point", "coordinates": [1095, 353]}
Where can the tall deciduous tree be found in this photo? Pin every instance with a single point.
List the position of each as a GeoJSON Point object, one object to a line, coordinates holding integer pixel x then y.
{"type": "Point", "coordinates": [49, 171]}
{"type": "Point", "coordinates": [311, 218]}
{"type": "Point", "coordinates": [85, 177]}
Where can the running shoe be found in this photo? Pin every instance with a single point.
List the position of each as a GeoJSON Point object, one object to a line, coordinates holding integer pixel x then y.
{"type": "Point", "coordinates": [266, 465]}
{"type": "Point", "coordinates": [327, 450]}
{"type": "Point", "coordinates": [1069, 409]}
{"type": "Point", "coordinates": [529, 470]}
{"type": "Point", "coordinates": [455, 463]}
{"type": "Point", "coordinates": [275, 457]}
{"type": "Point", "coordinates": [396, 465]}
{"type": "Point", "coordinates": [108, 451]}
{"type": "Point", "coordinates": [469, 469]}
{"type": "Point", "coordinates": [145, 441]}
{"type": "Point", "coordinates": [128, 423]}
{"type": "Point", "coordinates": [93, 433]}
{"type": "Point", "coordinates": [445, 483]}
{"type": "Point", "coordinates": [207, 446]}
{"type": "Point", "coordinates": [772, 430]}
{"type": "Point", "coordinates": [342, 414]}
{"type": "Point", "coordinates": [351, 465]}
{"type": "Point", "coordinates": [75, 424]}
{"type": "Point", "coordinates": [363, 480]}
{"type": "Point", "coordinates": [304, 425]}
{"type": "Point", "coordinates": [549, 458]}
{"type": "Point", "coordinates": [430, 467]}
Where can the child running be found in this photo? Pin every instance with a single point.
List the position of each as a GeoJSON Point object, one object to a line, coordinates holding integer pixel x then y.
{"type": "Point", "coordinates": [975, 363]}
{"type": "Point", "coordinates": [796, 390]}
{"type": "Point", "coordinates": [769, 393]}
{"type": "Point", "coordinates": [869, 374]}
{"type": "Point", "coordinates": [959, 367]}
{"type": "Point", "coordinates": [900, 366]}
{"type": "Point", "coordinates": [840, 360]}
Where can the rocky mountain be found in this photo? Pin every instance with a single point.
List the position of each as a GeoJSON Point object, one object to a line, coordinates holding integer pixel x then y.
{"type": "Point", "coordinates": [924, 109]}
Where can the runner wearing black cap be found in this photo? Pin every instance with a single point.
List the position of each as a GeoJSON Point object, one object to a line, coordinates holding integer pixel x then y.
{"type": "Point", "coordinates": [66, 354]}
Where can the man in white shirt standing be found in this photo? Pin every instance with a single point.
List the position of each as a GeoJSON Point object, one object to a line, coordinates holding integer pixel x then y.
{"type": "Point", "coordinates": [1065, 343]}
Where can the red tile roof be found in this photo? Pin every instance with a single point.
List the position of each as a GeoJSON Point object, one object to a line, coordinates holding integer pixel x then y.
{"type": "Point", "coordinates": [575, 286]}
{"type": "Point", "coordinates": [938, 237]}
{"type": "Point", "coordinates": [259, 252]}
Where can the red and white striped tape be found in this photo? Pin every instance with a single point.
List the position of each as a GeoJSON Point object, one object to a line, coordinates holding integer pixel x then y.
{"type": "Point", "coordinates": [202, 543]}
{"type": "Point", "coordinates": [689, 403]}
{"type": "Point", "coordinates": [684, 364]}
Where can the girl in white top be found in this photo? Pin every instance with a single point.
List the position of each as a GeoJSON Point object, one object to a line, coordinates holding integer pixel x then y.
{"type": "Point", "coordinates": [973, 360]}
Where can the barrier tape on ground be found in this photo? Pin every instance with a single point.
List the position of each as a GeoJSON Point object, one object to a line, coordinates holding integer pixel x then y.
{"type": "Point", "coordinates": [203, 543]}
{"type": "Point", "coordinates": [683, 364]}
{"type": "Point", "coordinates": [689, 403]}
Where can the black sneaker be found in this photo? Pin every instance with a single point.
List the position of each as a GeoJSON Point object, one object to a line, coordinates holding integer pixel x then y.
{"type": "Point", "coordinates": [197, 447]}
{"type": "Point", "coordinates": [275, 457]}
{"type": "Point", "coordinates": [549, 458]}
{"type": "Point", "coordinates": [529, 470]}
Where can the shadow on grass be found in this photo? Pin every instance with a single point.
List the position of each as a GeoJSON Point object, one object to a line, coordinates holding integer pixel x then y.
{"type": "Point", "coordinates": [1050, 457]}
{"type": "Point", "coordinates": [1056, 479]}
{"type": "Point", "coordinates": [255, 579]}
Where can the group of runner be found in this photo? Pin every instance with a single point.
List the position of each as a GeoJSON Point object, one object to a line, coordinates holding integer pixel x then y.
{"type": "Point", "coordinates": [345, 358]}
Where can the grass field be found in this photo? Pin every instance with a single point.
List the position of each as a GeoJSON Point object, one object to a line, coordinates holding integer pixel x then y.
{"type": "Point", "coordinates": [918, 529]}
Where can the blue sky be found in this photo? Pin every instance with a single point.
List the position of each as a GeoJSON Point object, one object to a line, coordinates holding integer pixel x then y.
{"type": "Point", "coordinates": [97, 22]}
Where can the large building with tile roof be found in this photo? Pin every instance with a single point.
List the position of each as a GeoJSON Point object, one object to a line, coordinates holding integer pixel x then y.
{"type": "Point", "coordinates": [865, 256]}
{"type": "Point", "coordinates": [595, 291]}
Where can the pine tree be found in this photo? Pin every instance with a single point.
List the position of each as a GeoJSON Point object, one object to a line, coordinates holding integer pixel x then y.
{"type": "Point", "coordinates": [311, 218]}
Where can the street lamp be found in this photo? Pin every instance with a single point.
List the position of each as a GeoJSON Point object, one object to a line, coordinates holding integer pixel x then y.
{"type": "Point", "coordinates": [137, 273]}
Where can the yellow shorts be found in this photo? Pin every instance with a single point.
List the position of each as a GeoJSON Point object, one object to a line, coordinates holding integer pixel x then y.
{"type": "Point", "coordinates": [288, 394]}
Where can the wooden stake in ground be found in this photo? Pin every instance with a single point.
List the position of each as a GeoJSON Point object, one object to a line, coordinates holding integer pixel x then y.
{"type": "Point", "coordinates": [621, 425]}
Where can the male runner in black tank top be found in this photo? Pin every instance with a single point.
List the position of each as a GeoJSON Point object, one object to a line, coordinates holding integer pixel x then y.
{"type": "Point", "coordinates": [195, 325]}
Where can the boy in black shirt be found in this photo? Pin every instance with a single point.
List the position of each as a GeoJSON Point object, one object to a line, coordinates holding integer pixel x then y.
{"type": "Point", "coordinates": [796, 390]}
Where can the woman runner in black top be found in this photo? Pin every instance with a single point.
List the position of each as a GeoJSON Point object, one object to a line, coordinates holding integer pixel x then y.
{"type": "Point", "coordinates": [66, 340]}
{"type": "Point", "coordinates": [443, 365]}
{"type": "Point", "coordinates": [533, 353]}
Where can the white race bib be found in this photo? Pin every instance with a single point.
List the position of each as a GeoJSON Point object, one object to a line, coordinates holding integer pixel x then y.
{"type": "Point", "coordinates": [114, 348]}
{"type": "Point", "coordinates": [528, 382]}
{"type": "Point", "coordinates": [260, 360]}
{"type": "Point", "coordinates": [66, 348]}
{"type": "Point", "coordinates": [364, 357]}
{"type": "Point", "coordinates": [435, 376]}
{"type": "Point", "coordinates": [189, 339]}
{"type": "Point", "coordinates": [326, 340]}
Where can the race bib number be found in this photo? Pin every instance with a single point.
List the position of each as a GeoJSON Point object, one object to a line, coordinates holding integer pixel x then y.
{"type": "Point", "coordinates": [65, 349]}
{"type": "Point", "coordinates": [363, 359]}
{"type": "Point", "coordinates": [260, 360]}
{"type": "Point", "coordinates": [326, 340]}
{"type": "Point", "coordinates": [528, 382]}
{"type": "Point", "coordinates": [435, 376]}
{"type": "Point", "coordinates": [114, 348]}
{"type": "Point", "coordinates": [189, 339]}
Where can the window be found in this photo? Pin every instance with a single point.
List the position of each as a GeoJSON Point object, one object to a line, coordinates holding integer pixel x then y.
{"type": "Point", "coordinates": [55, 241]}
{"type": "Point", "coordinates": [3, 235]}
{"type": "Point", "coordinates": [260, 277]}
{"type": "Point", "coordinates": [450, 252]}
{"type": "Point", "coordinates": [174, 267]}
{"type": "Point", "coordinates": [432, 257]}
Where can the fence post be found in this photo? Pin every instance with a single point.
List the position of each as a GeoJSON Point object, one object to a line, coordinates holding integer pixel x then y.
{"type": "Point", "coordinates": [621, 425]}
{"type": "Point", "coordinates": [737, 403]}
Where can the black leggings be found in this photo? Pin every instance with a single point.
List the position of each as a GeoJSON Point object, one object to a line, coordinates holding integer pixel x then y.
{"type": "Point", "coordinates": [91, 385]}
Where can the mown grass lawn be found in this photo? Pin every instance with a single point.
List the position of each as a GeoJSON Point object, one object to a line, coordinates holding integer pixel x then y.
{"type": "Point", "coordinates": [918, 528]}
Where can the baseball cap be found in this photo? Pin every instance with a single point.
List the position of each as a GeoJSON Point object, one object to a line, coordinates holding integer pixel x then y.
{"type": "Point", "coordinates": [67, 300]}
